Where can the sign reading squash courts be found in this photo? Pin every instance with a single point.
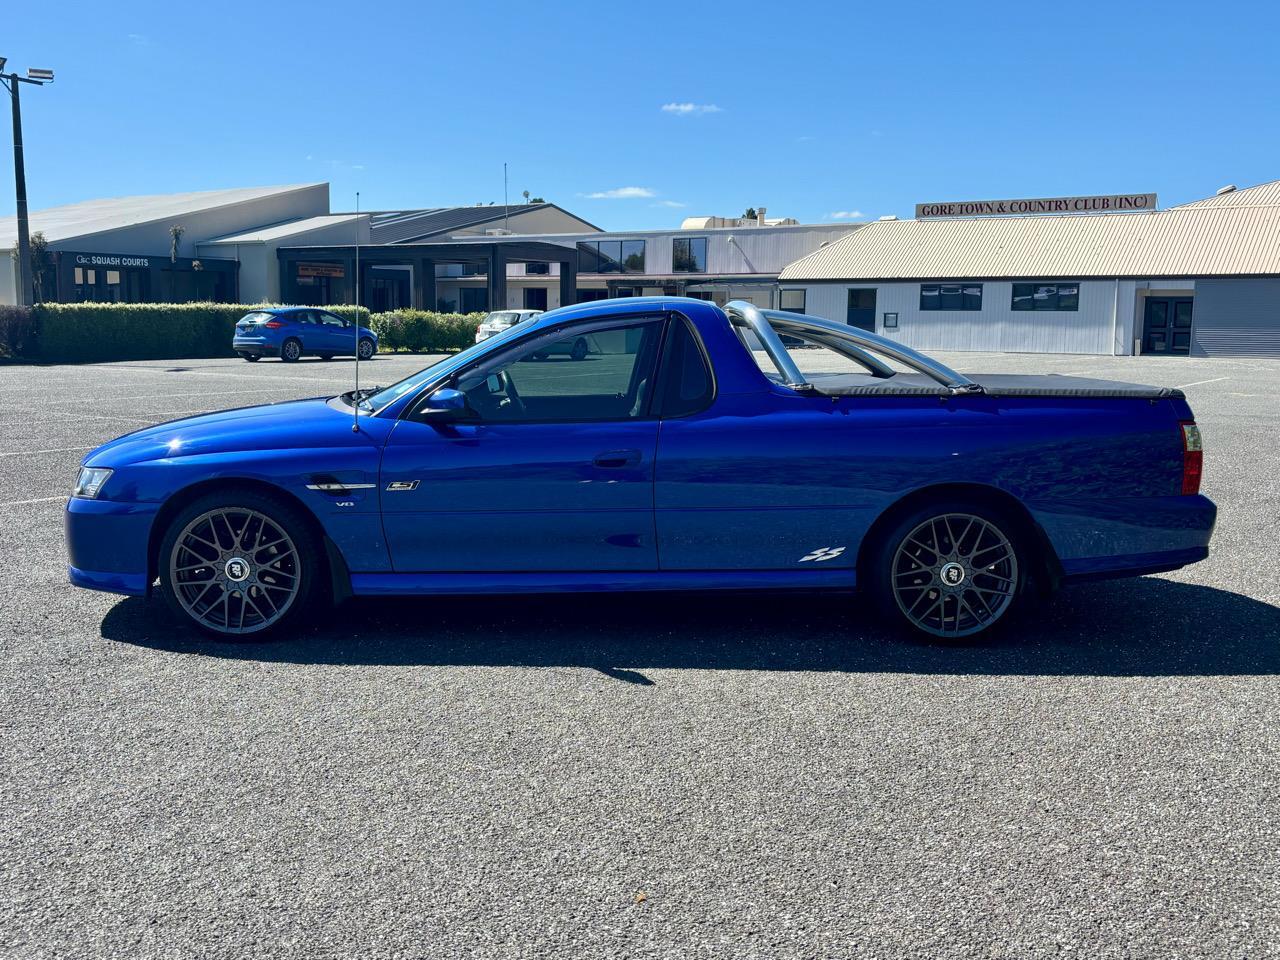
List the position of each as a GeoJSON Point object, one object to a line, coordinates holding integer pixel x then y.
{"type": "Point", "coordinates": [1109, 203]}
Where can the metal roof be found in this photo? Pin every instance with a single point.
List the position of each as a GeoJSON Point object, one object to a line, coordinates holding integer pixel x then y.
{"type": "Point", "coordinates": [97, 216]}
{"type": "Point", "coordinates": [1264, 194]}
{"type": "Point", "coordinates": [1191, 241]}
{"type": "Point", "coordinates": [410, 226]}
{"type": "Point", "coordinates": [290, 228]}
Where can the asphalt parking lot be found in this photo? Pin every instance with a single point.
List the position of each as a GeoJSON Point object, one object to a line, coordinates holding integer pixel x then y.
{"type": "Point", "coordinates": [636, 776]}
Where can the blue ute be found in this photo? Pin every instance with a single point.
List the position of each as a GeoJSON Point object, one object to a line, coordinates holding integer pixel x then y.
{"type": "Point", "coordinates": [689, 448]}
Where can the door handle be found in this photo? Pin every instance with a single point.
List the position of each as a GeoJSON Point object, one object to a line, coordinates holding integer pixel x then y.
{"type": "Point", "coordinates": [613, 459]}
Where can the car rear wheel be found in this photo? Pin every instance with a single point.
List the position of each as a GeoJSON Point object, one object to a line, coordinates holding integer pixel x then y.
{"type": "Point", "coordinates": [290, 350]}
{"type": "Point", "coordinates": [239, 564]}
{"type": "Point", "coordinates": [365, 349]}
{"type": "Point", "coordinates": [580, 348]}
{"type": "Point", "coordinates": [949, 570]}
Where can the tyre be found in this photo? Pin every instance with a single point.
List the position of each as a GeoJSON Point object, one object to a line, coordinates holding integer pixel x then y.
{"type": "Point", "coordinates": [291, 350]}
{"type": "Point", "coordinates": [365, 349]}
{"type": "Point", "coordinates": [326, 356]}
{"type": "Point", "coordinates": [579, 351]}
{"type": "Point", "coordinates": [239, 564]}
{"type": "Point", "coordinates": [949, 570]}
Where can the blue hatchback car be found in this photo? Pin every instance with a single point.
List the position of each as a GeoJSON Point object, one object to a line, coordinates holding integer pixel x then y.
{"type": "Point", "coordinates": [290, 332]}
{"type": "Point", "coordinates": [692, 448]}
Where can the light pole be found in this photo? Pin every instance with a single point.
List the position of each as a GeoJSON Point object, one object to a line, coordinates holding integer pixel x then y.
{"type": "Point", "coordinates": [11, 80]}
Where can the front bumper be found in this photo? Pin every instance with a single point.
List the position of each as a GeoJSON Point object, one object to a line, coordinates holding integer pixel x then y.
{"type": "Point", "coordinates": [107, 544]}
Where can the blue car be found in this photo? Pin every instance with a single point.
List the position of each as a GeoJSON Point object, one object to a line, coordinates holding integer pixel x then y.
{"type": "Point", "coordinates": [291, 332]}
{"type": "Point", "coordinates": [691, 449]}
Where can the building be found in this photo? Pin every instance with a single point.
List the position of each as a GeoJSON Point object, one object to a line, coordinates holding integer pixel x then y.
{"type": "Point", "coordinates": [222, 244]}
{"type": "Point", "coordinates": [1201, 279]}
{"type": "Point", "coordinates": [714, 258]}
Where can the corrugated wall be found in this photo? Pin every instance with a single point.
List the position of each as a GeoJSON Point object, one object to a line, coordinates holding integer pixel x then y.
{"type": "Point", "coordinates": [1236, 318]}
{"type": "Point", "coordinates": [996, 327]}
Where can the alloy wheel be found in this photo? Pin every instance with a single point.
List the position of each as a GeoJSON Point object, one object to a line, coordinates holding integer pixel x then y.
{"type": "Point", "coordinates": [954, 575]}
{"type": "Point", "coordinates": [235, 570]}
{"type": "Point", "coordinates": [365, 349]}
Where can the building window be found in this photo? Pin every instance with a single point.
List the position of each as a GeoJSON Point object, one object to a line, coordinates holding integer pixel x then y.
{"type": "Point", "coordinates": [791, 300]}
{"type": "Point", "coordinates": [582, 295]}
{"type": "Point", "coordinates": [950, 296]}
{"type": "Point", "coordinates": [475, 269]}
{"type": "Point", "coordinates": [611, 256]}
{"type": "Point", "coordinates": [689, 255]}
{"type": "Point", "coordinates": [1046, 296]}
{"type": "Point", "coordinates": [537, 269]}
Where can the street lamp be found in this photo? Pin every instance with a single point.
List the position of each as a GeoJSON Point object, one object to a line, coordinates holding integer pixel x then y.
{"type": "Point", "coordinates": [11, 81]}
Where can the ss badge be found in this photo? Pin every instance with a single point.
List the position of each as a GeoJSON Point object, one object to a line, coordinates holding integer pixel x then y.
{"type": "Point", "coordinates": [395, 486]}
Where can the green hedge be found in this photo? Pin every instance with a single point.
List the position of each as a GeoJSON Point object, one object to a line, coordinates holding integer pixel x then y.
{"type": "Point", "coordinates": [100, 332]}
{"type": "Point", "coordinates": [425, 331]}
{"type": "Point", "coordinates": [17, 331]}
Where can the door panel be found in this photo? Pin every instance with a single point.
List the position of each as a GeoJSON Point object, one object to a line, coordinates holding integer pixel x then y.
{"type": "Point", "coordinates": [510, 488]}
{"type": "Point", "coordinates": [520, 496]}
{"type": "Point", "coordinates": [1166, 325]}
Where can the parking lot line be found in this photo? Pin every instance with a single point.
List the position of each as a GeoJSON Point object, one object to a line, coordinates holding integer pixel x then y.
{"type": "Point", "coordinates": [24, 503]}
{"type": "Point", "coordinates": [32, 453]}
{"type": "Point", "coordinates": [1198, 382]}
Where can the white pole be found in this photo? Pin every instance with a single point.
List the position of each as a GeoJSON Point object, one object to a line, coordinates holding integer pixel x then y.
{"type": "Point", "coordinates": [355, 397]}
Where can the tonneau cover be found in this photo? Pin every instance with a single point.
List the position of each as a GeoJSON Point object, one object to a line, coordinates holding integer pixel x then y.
{"type": "Point", "coordinates": [993, 385]}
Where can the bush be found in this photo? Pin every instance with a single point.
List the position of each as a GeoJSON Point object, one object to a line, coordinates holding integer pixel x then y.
{"type": "Point", "coordinates": [101, 332]}
{"type": "Point", "coordinates": [425, 331]}
{"type": "Point", "coordinates": [17, 331]}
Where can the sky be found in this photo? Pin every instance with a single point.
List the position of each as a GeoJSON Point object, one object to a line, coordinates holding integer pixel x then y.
{"type": "Point", "coordinates": [636, 115]}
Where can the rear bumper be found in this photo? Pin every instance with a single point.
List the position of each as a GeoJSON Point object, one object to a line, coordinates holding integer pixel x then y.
{"type": "Point", "coordinates": [1128, 536]}
{"type": "Point", "coordinates": [107, 544]}
{"type": "Point", "coordinates": [256, 347]}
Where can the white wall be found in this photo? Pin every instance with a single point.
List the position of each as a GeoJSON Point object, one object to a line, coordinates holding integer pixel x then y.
{"type": "Point", "coordinates": [1102, 325]}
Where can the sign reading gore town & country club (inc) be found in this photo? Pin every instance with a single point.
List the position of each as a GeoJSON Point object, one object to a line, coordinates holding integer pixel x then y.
{"type": "Point", "coordinates": [106, 260]}
{"type": "Point", "coordinates": [1111, 203]}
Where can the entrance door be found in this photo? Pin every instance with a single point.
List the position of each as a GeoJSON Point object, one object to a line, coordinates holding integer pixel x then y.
{"type": "Point", "coordinates": [551, 470]}
{"type": "Point", "coordinates": [535, 298]}
{"type": "Point", "coordinates": [474, 299]}
{"type": "Point", "coordinates": [862, 309]}
{"type": "Point", "coordinates": [1166, 327]}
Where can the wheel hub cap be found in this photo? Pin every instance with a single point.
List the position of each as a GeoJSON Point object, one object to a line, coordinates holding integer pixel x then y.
{"type": "Point", "coordinates": [952, 574]}
{"type": "Point", "coordinates": [237, 569]}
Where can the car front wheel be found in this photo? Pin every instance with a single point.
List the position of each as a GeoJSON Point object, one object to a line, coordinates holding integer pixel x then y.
{"type": "Point", "coordinates": [950, 571]}
{"type": "Point", "coordinates": [239, 564]}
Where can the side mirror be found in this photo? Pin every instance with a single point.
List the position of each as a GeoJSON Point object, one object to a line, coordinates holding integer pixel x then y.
{"type": "Point", "coordinates": [445, 405]}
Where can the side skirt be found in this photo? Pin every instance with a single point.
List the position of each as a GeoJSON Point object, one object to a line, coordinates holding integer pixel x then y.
{"type": "Point", "coordinates": [388, 584]}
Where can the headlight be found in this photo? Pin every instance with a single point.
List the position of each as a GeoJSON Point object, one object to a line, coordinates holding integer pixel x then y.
{"type": "Point", "coordinates": [90, 481]}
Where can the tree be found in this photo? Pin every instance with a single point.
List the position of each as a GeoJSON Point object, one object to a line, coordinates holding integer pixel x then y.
{"type": "Point", "coordinates": [750, 214]}
{"type": "Point", "coordinates": [39, 263]}
{"type": "Point", "coordinates": [537, 200]}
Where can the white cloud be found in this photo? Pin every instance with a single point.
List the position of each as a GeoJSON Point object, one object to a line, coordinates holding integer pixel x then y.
{"type": "Point", "coordinates": [668, 203]}
{"type": "Point", "coordinates": [805, 139]}
{"type": "Point", "coordinates": [846, 215]}
{"type": "Point", "coordinates": [622, 193]}
{"type": "Point", "coordinates": [690, 109]}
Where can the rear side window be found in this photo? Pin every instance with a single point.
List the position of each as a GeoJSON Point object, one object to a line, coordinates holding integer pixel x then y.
{"type": "Point", "coordinates": [686, 382]}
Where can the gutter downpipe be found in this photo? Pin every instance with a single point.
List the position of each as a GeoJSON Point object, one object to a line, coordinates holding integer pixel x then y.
{"type": "Point", "coordinates": [1115, 318]}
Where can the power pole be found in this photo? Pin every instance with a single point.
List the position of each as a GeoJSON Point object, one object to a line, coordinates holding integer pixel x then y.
{"type": "Point", "coordinates": [11, 80]}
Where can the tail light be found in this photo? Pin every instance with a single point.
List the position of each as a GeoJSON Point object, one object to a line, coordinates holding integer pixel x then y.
{"type": "Point", "coordinates": [1192, 458]}
{"type": "Point", "coordinates": [273, 324]}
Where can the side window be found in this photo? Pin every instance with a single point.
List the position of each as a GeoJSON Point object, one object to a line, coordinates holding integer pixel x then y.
{"type": "Point", "coordinates": [331, 320]}
{"type": "Point", "coordinates": [686, 381]}
{"type": "Point", "coordinates": [591, 374]}
{"type": "Point", "coordinates": [307, 317]}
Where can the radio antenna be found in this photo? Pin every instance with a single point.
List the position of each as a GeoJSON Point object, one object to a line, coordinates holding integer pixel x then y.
{"type": "Point", "coordinates": [355, 397]}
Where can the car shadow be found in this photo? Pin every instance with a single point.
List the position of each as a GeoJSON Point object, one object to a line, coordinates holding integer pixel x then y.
{"type": "Point", "coordinates": [1144, 627]}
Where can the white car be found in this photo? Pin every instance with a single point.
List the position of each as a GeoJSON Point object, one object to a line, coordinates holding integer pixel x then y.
{"type": "Point", "coordinates": [499, 320]}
